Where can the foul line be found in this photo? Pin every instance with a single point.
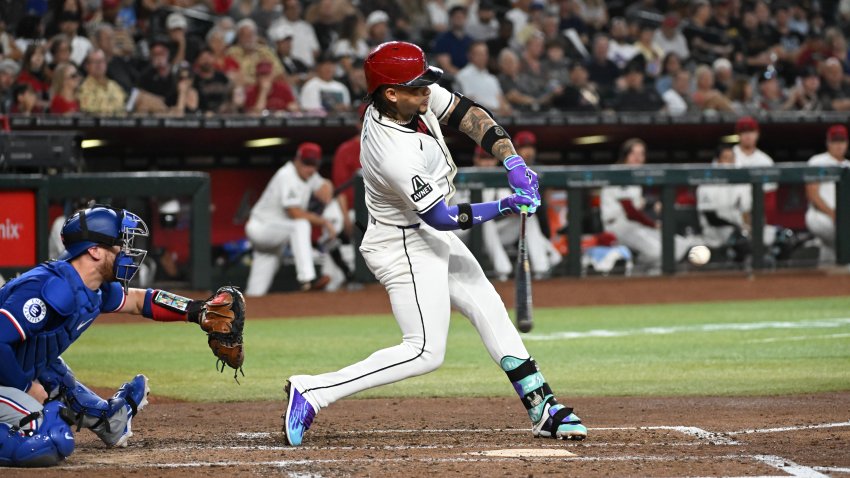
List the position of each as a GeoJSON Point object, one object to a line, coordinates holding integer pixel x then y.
{"type": "Point", "coordinates": [791, 429]}
{"type": "Point", "coordinates": [607, 333]}
{"type": "Point", "coordinates": [789, 466]}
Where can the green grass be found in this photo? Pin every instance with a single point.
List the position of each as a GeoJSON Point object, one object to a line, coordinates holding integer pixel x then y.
{"type": "Point", "coordinates": [762, 361]}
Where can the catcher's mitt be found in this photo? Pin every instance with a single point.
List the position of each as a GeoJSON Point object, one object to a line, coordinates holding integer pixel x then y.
{"type": "Point", "coordinates": [222, 317]}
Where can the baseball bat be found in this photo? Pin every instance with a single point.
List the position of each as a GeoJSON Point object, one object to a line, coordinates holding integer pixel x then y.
{"type": "Point", "coordinates": [524, 320]}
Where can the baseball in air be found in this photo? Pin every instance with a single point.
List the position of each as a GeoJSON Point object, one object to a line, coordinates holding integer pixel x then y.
{"type": "Point", "coordinates": [699, 255]}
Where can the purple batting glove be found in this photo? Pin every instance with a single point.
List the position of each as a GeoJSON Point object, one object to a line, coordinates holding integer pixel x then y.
{"type": "Point", "coordinates": [511, 204]}
{"type": "Point", "coordinates": [520, 176]}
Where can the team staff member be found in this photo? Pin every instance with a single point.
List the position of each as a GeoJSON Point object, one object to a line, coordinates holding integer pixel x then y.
{"type": "Point", "coordinates": [820, 217]}
{"type": "Point", "coordinates": [426, 270]}
{"type": "Point", "coordinates": [747, 155]}
{"type": "Point", "coordinates": [281, 217]}
{"type": "Point", "coordinates": [45, 310]}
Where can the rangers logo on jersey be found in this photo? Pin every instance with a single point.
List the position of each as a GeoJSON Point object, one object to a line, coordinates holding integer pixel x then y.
{"type": "Point", "coordinates": [420, 188]}
{"type": "Point", "coordinates": [35, 310]}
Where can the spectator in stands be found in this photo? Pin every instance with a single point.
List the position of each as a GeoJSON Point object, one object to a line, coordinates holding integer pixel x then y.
{"type": "Point", "coordinates": [213, 87]}
{"type": "Point", "coordinates": [351, 45]}
{"type": "Point", "coordinates": [678, 97]}
{"type": "Point", "coordinates": [223, 62]}
{"type": "Point", "coordinates": [820, 217]}
{"type": "Point", "coordinates": [98, 94]}
{"type": "Point", "coordinates": [706, 43]}
{"type": "Point", "coordinates": [265, 13]}
{"type": "Point", "coordinates": [569, 18]}
{"type": "Point", "coordinates": [651, 52]}
{"type": "Point", "coordinates": [30, 30]}
{"type": "Point", "coordinates": [118, 49]}
{"type": "Point", "coordinates": [248, 52]}
{"type": "Point", "coordinates": [758, 43]}
{"type": "Point", "coordinates": [621, 48]}
{"type": "Point", "coordinates": [377, 28]}
{"type": "Point", "coordinates": [185, 47]}
{"type": "Point", "coordinates": [69, 25]}
{"type": "Point", "coordinates": [451, 46]}
{"type": "Point", "coordinates": [804, 95]}
{"type": "Point", "coordinates": [60, 52]}
{"type": "Point", "coordinates": [706, 97]}
{"type": "Point", "coordinates": [482, 24]}
{"type": "Point", "coordinates": [269, 92]}
{"type": "Point", "coordinates": [724, 75]}
{"type": "Point", "coordinates": [281, 217]}
{"type": "Point", "coordinates": [297, 72]}
{"type": "Point", "coordinates": [187, 96]}
{"type": "Point", "coordinates": [579, 94]}
{"type": "Point", "coordinates": [437, 18]}
{"type": "Point", "coordinates": [519, 16]}
{"type": "Point", "coordinates": [603, 72]}
{"type": "Point", "coordinates": [556, 65]}
{"type": "Point", "coordinates": [323, 93]}
{"type": "Point", "coordinates": [770, 94]}
{"type": "Point", "coordinates": [477, 83]}
{"type": "Point", "coordinates": [670, 38]}
{"type": "Point", "coordinates": [305, 44]}
{"type": "Point", "coordinates": [158, 81]}
{"type": "Point", "coordinates": [623, 214]}
{"type": "Point", "coordinates": [534, 76]}
{"type": "Point", "coordinates": [8, 72]}
{"type": "Point", "coordinates": [741, 96]}
{"type": "Point", "coordinates": [325, 16]}
{"type": "Point", "coordinates": [834, 90]}
{"type": "Point", "coordinates": [789, 41]}
{"type": "Point", "coordinates": [503, 39]}
{"type": "Point", "coordinates": [670, 67]}
{"type": "Point", "coordinates": [241, 9]}
{"type": "Point", "coordinates": [34, 73]}
{"type": "Point", "coordinates": [813, 52]}
{"type": "Point", "coordinates": [642, 10]}
{"type": "Point", "coordinates": [512, 81]}
{"type": "Point", "coordinates": [725, 21]}
{"type": "Point", "coordinates": [635, 96]}
{"type": "Point", "coordinates": [63, 90]}
{"type": "Point", "coordinates": [358, 89]}
{"type": "Point", "coordinates": [25, 101]}
{"type": "Point", "coordinates": [594, 13]}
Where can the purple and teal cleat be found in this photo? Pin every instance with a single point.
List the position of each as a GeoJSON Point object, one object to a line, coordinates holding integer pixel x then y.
{"type": "Point", "coordinates": [298, 416]}
{"type": "Point", "coordinates": [559, 422]}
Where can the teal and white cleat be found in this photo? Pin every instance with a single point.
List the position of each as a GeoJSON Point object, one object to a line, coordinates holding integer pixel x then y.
{"type": "Point", "coordinates": [560, 422]}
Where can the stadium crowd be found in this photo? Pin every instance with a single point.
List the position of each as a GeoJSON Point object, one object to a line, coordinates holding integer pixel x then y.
{"type": "Point", "coordinates": [182, 57]}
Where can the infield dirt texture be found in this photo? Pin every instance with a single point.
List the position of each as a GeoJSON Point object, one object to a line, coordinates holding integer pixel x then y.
{"type": "Point", "coordinates": [803, 435]}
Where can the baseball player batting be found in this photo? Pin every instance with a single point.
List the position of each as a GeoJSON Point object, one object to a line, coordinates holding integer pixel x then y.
{"type": "Point", "coordinates": [427, 270]}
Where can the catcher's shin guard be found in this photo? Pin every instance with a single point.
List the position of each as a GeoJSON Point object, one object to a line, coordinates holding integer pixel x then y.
{"type": "Point", "coordinates": [298, 416]}
{"type": "Point", "coordinates": [548, 417]}
{"type": "Point", "coordinates": [51, 443]}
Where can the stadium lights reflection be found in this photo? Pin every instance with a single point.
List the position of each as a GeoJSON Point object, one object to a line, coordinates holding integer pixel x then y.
{"type": "Point", "coordinates": [92, 143]}
{"type": "Point", "coordinates": [264, 142]}
{"type": "Point", "coordinates": [730, 138]}
{"type": "Point", "coordinates": [596, 139]}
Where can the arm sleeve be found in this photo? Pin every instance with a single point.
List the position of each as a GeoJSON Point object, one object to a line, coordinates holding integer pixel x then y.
{"type": "Point", "coordinates": [444, 218]}
{"type": "Point", "coordinates": [633, 214]}
{"type": "Point", "coordinates": [11, 374]}
{"type": "Point", "coordinates": [113, 297]}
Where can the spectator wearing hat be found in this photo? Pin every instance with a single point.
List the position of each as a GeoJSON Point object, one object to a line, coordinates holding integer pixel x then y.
{"type": "Point", "coordinates": [378, 28]}
{"type": "Point", "coordinates": [185, 47]}
{"type": "Point", "coordinates": [820, 216]}
{"type": "Point", "coordinates": [770, 94]}
{"type": "Point", "coordinates": [98, 94]}
{"type": "Point", "coordinates": [223, 62]}
{"type": "Point", "coordinates": [282, 217]}
{"type": "Point", "coordinates": [158, 80]}
{"type": "Point", "coordinates": [297, 72]}
{"type": "Point", "coordinates": [323, 93]}
{"type": "Point", "coordinates": [804, 95]}
{"type": "Point", "coordinates": [69, 25]}
{"type": "Point", "coordinates": [63, 90]}
{"type": "Point", "coordinates": [705, 96]}
{"type": "Point", "coordinates": [670, 38]}
{"type": "Point", "coordinates": [214, 88]}
{"type": "Point", "coordinates": [451, 46]}
{"type": "Point", "coordinates": [8, 72]}
{"type": "Point", "coordinates": [724, 75]}
{"type": "Point", "coordinates": [351, 45]}
{"type": "Point", "coordinates": [305, 44]}
{"type": "Point", "coordinates": [477, 83]}
{"type": "Point", "coordinates": [834, 90]}
{"type": "Point", "coordinates": [269, 93]}
{"type": "Point", "coordinates": [635, 96]}
{"type": "Point", "coordinates": [579, 94]}
{"type": "Point", "coordinates": [248, 52]}
{"type": "Point", "coordinates": [482, 24]}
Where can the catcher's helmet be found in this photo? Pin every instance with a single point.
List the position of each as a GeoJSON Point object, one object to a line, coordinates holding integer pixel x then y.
{"type": "Point", "coordinates": [399, 63]}
{"type": "Point", "coordinates": [107, 226]}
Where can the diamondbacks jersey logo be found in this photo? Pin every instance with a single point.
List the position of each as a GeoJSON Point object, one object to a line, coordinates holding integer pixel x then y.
{"type": "Point", "coordinates": [420, 188]}
{"type": "Point", "coordinates": [35, 310]}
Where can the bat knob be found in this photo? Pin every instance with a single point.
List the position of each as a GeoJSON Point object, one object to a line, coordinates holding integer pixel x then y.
{"type": "Point", "coordinates": [524, 327]}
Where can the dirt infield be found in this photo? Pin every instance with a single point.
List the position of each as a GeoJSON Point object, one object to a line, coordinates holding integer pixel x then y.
{"type": "Point", "coordinates": [805, 436]}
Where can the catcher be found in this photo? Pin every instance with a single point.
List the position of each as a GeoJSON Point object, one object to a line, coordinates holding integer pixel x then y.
{"type": "Point", "coordinates": [46, 309]}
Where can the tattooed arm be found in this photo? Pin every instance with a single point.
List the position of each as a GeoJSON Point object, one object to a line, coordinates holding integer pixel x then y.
{"type": "Point", "coordinates": [475, 123]}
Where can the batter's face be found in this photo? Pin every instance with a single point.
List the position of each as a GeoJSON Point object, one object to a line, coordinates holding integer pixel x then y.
{"type": "Point", "coordinates": [409, 100]}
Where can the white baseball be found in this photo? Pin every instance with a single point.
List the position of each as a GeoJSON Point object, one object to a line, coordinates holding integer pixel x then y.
{"type": "Point", "coordinates": [699, 255]}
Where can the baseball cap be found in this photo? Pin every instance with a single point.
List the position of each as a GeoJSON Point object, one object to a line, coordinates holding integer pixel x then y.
{"type": "Point", "coordinates": [525, 138]}
{"type": "Point", "coordinates": [745, 124]}
{"type": "Point", "coordinates": [310, 153]}
{"type": "Point", "coordinates": [836, 132]}
{"type": "Point", "coordinates": [281, 32]}
{"type": "Point", "coordinates": [670, 21]}
{"type": "Point", "coordinates": [176, 20]}
{"type": "Point", "coordinates": [378, 16]}
{"type": "Point", "coordinates": [10, 66]}
{"type": "Point", "coordinates": [264, 67]}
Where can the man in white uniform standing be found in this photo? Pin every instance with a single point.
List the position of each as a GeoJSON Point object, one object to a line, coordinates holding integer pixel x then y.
{"type": "Point", "coordinates": [426, 269]}
{"type": "Point", "coordinates": [281, 217]}
{"type": "Point", "coordinates": [747, 155]}
{"type": "Point", "coordinates": [820, 217]}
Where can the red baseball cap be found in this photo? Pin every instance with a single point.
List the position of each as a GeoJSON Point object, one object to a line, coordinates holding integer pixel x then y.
{"type": "Point", "coordinates": [836, 132]}
{"type": "Point", "coordinates": [310, 153]}
{"type": "Point", "coordinates": [525, 138]}
{"type": "Point", "coordinates": [745, 124]}
{"type": "Point", "coordinates": [264, 67]}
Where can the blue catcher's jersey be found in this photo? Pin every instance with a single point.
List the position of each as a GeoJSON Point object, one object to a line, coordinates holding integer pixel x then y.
{"type": "Point", "coordinates": [41, 313]}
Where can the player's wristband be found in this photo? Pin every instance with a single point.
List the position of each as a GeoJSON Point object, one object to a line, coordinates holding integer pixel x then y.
{"type": "Point", "coordinates": [513, 161]}
{"type": "Point", "coordinates": [164, 306]}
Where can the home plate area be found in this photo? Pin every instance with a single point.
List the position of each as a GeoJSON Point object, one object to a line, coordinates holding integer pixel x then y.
{"type": "Point", "coordinates": [652, 437]}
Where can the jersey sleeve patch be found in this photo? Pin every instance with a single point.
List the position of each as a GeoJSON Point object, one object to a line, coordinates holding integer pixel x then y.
{"type": "Point", "coordinates": [421, 189]}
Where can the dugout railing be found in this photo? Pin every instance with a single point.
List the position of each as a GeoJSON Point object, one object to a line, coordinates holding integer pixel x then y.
{"type": "Point", "coordinates": [666, 177]}
{"type": "Point", "coordinates": [139, 185]}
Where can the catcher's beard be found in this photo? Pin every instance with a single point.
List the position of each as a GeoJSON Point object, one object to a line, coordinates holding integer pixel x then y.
{"type": "Point", "coordinates": [106, 267]}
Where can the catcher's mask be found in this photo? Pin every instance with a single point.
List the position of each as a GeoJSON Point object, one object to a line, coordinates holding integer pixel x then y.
{"type": "Point", "coordinates": [107, 226]}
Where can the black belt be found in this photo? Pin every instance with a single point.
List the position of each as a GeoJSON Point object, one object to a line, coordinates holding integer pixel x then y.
{"type": "Point", "coordinates": [410, 226]}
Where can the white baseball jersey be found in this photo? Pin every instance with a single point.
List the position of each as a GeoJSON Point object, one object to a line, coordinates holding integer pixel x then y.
{"type": "Point", "coordinates": [728, 201]}
{"type": "Point", "coordinates": [758, 159]}
{"type": "Point", "coordinates": [406, 172]}
{"type": "Point", "coordinates": [286, 189]}
{"type": "Point", "coordinates": [826, 190]}
{"type": "Point", "coordinates": [820, 224]}
{"type": "Point", "coordinates": [610, 207]}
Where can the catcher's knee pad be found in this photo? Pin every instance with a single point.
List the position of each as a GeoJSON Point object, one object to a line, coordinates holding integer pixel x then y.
{"type": "Point", "coordinates": [47, 446]}
{"type": "Point", "coordinates": [57, 378]}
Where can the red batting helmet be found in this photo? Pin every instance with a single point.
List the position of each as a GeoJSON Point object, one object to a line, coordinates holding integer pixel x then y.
{"type": "Point", "coordinates": [399, 63]}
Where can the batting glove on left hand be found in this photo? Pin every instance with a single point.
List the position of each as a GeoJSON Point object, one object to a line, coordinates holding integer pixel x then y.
{"type": "Point", "coordinates": [513, 203]}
